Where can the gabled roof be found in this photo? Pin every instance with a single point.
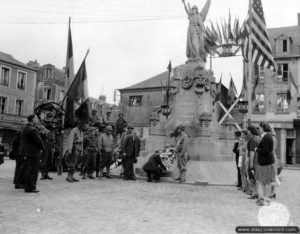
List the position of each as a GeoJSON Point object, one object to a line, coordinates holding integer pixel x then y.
{"type": "Point", "coordinates": [153, 82]}
{"type": "Point", "coordinates": [10, 59]}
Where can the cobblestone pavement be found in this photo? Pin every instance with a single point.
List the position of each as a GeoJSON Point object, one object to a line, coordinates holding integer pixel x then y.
{"type": "Point", "coordinates": [117, 206]}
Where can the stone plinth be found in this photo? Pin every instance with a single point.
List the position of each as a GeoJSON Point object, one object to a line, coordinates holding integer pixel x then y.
{"type": "Point", "coordinates": [192, 104]}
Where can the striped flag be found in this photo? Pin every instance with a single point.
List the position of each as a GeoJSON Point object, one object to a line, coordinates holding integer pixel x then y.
{"type": "Point", "coordinates": [69, 60]}
{"type": "Point", "coordinates": [261, 47]}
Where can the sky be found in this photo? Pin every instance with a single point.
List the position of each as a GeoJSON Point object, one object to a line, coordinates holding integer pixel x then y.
{"type": "Point", "coordinates": [129, 40]}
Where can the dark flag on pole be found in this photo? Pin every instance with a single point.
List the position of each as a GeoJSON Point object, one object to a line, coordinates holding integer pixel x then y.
{"type": "Point", "coordinates": [168, 83]}
{"type": "Point", "coordinates": [77, 102]}
{"type": "Point", "coordinates": [232, 92]}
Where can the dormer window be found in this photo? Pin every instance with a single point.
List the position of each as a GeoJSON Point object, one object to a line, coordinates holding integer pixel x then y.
{"type": "Point", "coordinates": [284, 45]}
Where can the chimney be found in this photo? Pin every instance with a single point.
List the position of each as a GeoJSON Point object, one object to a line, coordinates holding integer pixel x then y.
{"type": "Point", "coordinates": [298, 19]}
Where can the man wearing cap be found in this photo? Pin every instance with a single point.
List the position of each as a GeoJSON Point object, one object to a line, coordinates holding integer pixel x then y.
{"type": "Point", "coordinates": [182, 151]}
{"type": "Point", "coordinates": [33, 145]}
{"type": "Point", "coordinates": [106, 147]}
{"type": "Point", "coordinates": [74, 150]}
{"type": "Point", "coordinates": [130, 150]}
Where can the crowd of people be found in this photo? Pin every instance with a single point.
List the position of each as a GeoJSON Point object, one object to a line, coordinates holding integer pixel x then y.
{"type": "Point", "coordinates": [92, 148]}
{"type": "Point", "coordinates": [257, 163]}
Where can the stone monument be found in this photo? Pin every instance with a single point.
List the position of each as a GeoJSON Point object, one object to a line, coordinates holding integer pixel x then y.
{"type": "Point", "coordinates": [192, 102]}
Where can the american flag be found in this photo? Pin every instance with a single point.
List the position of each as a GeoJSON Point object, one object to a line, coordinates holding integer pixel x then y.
{"type": "Point", "coordinates": [261, 47]}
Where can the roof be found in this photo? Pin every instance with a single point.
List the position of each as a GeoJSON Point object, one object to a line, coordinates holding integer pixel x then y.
{"type": "Point", "coordinates": [58, 74]}
{"type": "Point", "coordinates": [10, 59]}
{"type": "Point", "coordinates": [293, 32]}
{"type": "Point", "coordinates": [153, 82]}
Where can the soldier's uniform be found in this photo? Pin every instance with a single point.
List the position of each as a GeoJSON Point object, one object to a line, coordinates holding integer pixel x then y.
{"type": "Point", "coordinates": [182, 156]}
{"type": "Point", "coordinates": [47, 155]}
{"type": "Point", "coordinates": [90, 145]}
{"type": "Point", "coordinates": [106, 147]}
{"type": "Point", "coordinates": [75, 150]}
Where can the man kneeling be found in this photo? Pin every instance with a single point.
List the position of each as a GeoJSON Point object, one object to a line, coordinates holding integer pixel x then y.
{"type": "Point", "coordinates": [154, 167]}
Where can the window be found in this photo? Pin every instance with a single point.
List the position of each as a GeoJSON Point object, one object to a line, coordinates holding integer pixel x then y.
{"type": "Point", "coordinates": [283, 72]}
{"type": "Point", "coordinates": [21, 80]}
{"type": "Point", "coordinates": [49, 73]}
{"type": "Point", "coordinates": [135, 101]}
{"type": "Point", "coordinates": [47, 94]}
{"type": "Point", "coordinates": [284, 45]}
{"type": "Point", "coordinates": [261, 73]}
{"type": "Point", "coordinates": [3, 103]}
{"type": "Point", "coordinates": [61, 95]}
{"type": "Point", "coordinates": [282, 103]}
{"type": "Point", "coordinates": [5, 74]}
{"type": "Point", "coordinates": [259, 103]}
{"type": "Point", "coordinates": [19, 107]}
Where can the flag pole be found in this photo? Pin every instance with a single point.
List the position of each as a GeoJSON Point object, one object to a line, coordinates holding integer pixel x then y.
{"type": "Point", "coordinates": [59, 166]}
{"type": "Point", "coordinates": [250, 66]}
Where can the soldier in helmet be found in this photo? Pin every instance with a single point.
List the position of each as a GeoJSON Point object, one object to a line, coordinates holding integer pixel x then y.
{"type": "Point", "coordinates": [106, 147]}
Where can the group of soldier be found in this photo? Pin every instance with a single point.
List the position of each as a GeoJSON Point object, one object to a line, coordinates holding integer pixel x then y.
{"type": "Point", "coordinates": [96, 145]}
{"type": "Point", "coordinates": [92, 147]}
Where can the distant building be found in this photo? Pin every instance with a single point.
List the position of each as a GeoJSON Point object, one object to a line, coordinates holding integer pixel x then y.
{"type": "Point", "coordinates": [50, 85]}
{"type": "Point", "coordinates": [17, 90]}
{"type": "Point", "coordinates": [276, 99]}
{"type": "Point", "coordinates": [138, 101]}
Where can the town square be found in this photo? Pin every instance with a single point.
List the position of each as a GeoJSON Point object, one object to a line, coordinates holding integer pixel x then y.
{"type": "Point", "coordinates": [150, 116]}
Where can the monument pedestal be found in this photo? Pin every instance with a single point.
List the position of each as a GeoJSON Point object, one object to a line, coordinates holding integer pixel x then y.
{"type": "Point", "coordinates": [192, 102]}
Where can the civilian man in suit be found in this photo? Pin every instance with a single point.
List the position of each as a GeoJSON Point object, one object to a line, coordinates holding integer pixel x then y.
{"type": "Point", "coordinates": [130, 150]}
{"type": "Point", "coordinates": [33, 144]}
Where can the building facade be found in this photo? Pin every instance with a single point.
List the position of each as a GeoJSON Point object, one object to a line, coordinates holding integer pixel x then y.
{"type": "Point", "coordinates": [276, 96]}
{"type": "Point", "coordinates": [50, 84]}
{"type": "Point", "coordinates": [17, 92]}
{"type": "Point", "coordinates": [138, 101]}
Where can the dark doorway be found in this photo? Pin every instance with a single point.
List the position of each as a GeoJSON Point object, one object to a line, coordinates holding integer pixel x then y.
{"type": "Point", "coordinates": [289, 151]}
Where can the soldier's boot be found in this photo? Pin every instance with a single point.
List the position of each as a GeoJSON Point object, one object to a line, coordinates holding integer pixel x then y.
{"type": "Point", "coordinates": [100, 174]}
{"type": "Point", "coordinates": [72, 177]}
{"type": "Point", "coordinates": [108, 173]}
{"type": "Point", "coordinates": [179, 176]}
{"type": "Point", "coordinates": [69, 178]}
{"type": "Point", "coordinates": [97, 173]}
{"type": "Point", "coordinates": [182, 179]}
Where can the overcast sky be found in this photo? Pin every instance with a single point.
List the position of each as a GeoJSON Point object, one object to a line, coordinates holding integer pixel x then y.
{"type": "Point", "coordinates": [130, 40]}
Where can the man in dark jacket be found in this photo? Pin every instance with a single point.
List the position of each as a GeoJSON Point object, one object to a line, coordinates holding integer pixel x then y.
{"type": "Point", "coordinates": [17, 153]}
{"type": "Point", "coordinates": [33, 148]}
{"type": "Point", "coordinates": [237, 154]}
{"type": "Point", "coordinates": [130, 150]}
{"type": "Point", "coordinates": [154, 167]}
{"type": "Point", "coordinates": [47, 155]}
